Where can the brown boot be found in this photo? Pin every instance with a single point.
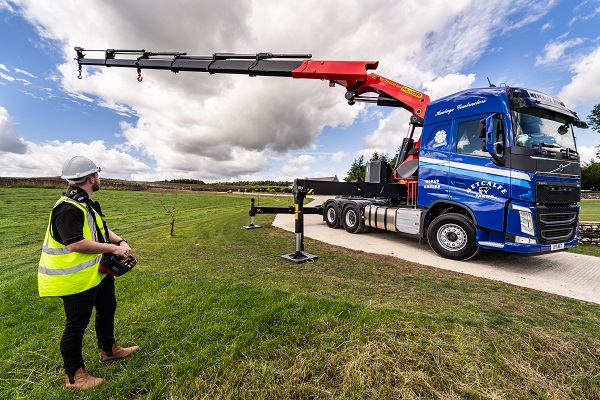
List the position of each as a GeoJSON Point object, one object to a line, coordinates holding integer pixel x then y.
{"type": "Point", "coordinates": [81, 380]}
{"type": "Point", "coordinates": [118, 352]}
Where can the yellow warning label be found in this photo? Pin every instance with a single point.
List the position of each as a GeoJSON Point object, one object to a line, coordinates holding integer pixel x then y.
{"type": "Point", "coordinates": [412, 92]}
{"type": "Point", "coordinates": [310, 191]}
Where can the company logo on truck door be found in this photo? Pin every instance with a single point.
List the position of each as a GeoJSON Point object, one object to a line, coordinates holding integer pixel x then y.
{"type": "Point", "coordinates": [440, 138]}
{"type": "Point", "coordinates": [483, 189]}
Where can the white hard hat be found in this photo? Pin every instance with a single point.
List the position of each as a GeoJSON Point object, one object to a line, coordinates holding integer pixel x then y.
{"type": "Point", "coordinates": [78, 168]}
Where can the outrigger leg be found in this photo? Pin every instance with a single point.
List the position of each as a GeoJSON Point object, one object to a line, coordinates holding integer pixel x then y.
{"type": "Point", "coordinates": [252, 213]}
{"type": "Point", "coordinates": [299, 256]}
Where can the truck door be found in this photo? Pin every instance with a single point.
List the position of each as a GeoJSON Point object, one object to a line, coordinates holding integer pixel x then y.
{"type": "Point", "coordinates": [434, 164]}
{"type": "Point", "coordinates": [475, 180]}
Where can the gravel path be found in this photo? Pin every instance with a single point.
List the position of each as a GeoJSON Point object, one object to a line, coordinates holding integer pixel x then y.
{"type": "Point", "coordinates": [566, 274]}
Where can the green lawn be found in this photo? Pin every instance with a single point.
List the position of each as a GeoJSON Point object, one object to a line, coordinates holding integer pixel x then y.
{"type": "Point", "coordinates": [219, 315]}
{"type": "Point", "coordinates": [590, 210]}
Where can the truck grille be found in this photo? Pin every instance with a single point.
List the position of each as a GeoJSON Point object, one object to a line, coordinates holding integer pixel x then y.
{"type": "Point", "coordinates": [551, 219]}
{"type": "Point", "coordinates": [557, 193]}
{"type": "Point", "coordinates": [557, 224]}
{"type": "Point", "coordinates": [556, 235]}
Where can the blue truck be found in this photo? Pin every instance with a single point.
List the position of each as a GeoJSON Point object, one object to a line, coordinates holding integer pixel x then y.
{"type": "Point", "coordinates": [490, 168]}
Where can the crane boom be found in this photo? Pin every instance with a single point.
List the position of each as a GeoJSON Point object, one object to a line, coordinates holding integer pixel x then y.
{"type": "Point", "coordinates": [352, 75]}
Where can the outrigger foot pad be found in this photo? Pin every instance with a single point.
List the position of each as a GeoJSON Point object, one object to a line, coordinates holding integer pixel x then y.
{"type": "Point", "coordinates": [299, 257]}
{"type": "Point", "coordinates": [251, 226]}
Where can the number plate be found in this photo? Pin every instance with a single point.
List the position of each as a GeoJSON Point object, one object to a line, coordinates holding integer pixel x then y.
{"type": "Point", "coordinates": [557, 246]}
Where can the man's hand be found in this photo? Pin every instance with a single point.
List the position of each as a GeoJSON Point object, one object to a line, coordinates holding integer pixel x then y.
{"type": "Point", "coordinates": [123, 250]}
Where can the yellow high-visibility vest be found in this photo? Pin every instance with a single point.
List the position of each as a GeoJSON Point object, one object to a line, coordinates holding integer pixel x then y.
{"type": "Point", "coordinates": [62, 272]}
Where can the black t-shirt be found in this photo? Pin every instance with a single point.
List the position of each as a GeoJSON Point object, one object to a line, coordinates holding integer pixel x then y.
{"type": "Point", "coordinates": [67, 220]}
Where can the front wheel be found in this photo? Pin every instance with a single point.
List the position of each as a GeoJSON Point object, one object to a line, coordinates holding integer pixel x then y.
{"type": "Point", "coordinates": [453, 236]}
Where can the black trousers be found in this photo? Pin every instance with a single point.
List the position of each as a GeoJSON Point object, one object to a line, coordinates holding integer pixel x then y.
{"type": "Point", "coordinates": [78, 311]}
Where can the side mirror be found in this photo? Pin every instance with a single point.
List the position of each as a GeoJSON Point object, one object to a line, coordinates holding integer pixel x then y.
{"type": "Point", "coordinates": [494, 127]}
{"type": "Point", "coordinates": [482, 128]}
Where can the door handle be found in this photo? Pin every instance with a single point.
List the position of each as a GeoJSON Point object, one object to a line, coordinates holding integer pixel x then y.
{"type": "Point", "coordinates": [458, 183]}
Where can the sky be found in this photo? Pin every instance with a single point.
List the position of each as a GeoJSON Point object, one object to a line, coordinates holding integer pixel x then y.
{"type": "Point", "coordinates": [220, 128]}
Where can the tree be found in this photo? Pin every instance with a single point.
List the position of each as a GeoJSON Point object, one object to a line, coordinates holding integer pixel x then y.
{"type": "Point", "coordinates": [590, 176]}
{"type": "Point", "coordinates": [594, 118]}
{"type": "Point", "coordinates": [594, 121]}
{"type": "Point", "coordinates": [358, 169]}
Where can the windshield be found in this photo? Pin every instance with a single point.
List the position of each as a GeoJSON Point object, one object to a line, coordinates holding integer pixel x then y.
{"type": "Point", "coordinates": [535, 126]}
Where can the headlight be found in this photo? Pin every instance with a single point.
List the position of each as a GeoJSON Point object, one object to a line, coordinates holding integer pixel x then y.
{"type": "Point", "coordinates": [526, 219]}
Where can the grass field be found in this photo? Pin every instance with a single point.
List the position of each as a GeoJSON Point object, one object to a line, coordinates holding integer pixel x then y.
{"type": "Point", "coordinates": [590, 210]}
{"type": "Point", "coordinates": [219, 315]}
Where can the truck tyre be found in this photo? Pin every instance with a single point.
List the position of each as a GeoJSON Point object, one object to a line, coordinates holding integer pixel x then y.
{"type": "Point", "coordinates": [453, 236]}
{"type": "Point", "coordinates": [352, 219]}
{"type": "Point", "coordinates": [332, 216]}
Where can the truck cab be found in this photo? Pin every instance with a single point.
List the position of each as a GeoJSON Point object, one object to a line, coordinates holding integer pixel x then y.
{"type": "Point", "coordinates": [501, 164]}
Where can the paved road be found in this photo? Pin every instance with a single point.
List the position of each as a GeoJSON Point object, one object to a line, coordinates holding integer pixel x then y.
{"type": "Point", "coordinates": [566, 274]}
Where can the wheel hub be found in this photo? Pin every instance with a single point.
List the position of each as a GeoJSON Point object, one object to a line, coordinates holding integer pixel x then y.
{"type": "Point", "coordinates": [452, 237]}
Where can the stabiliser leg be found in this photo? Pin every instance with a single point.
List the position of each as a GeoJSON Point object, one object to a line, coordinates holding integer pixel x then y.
{"type": "Point", "coordinates": [299, 256]}
{"type": "Point", "coordinates": [252, 214]}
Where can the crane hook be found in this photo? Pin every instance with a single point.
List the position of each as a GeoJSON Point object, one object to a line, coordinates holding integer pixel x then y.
{"type": "Point", "coordinates": [79, 76]}
{"type": "Point", "coordinates": [139, 78]}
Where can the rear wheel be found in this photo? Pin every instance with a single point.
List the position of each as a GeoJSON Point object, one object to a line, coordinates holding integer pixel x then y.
{"type": "Point", "coordinates": [352, 219]}
{"type": "Point", "coordinates": [332, 216]}
{"type": "Point", "coordinates": [453, 236]}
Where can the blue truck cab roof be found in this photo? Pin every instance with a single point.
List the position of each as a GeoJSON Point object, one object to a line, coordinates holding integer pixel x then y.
{"type": "Point", "coordinates": [467, 102]}
{"type": "Point", "coordinates": [492, 100]}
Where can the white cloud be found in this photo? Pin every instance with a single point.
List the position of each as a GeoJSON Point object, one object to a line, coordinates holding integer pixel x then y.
{"type": "Point", "coordinates": [304, 159]}
{"type": "Point", "coordinates": [555, 51]}
{"type": "Point", "coordinates": [7, 77]}
{"type": "Point", "coordinates": [585, 81]}
{"type": "Point", "coordinates": [20, 71]}
{"type": "Point", "coordinates": [388, 137]}
{"type": "Point", "coordinates": [10, 141]}
{"type": "Point", "coordinates": [46, 159]}
{"type": "Point", "coordinates": [586, 15]}
{"type": "Point", "coordinates": [546, 26]}
{"type": "Point", "coordinates": [294, 171]}
{"type": "Point", "coordinates": [338, 156]}
{"type": "Point", "coordinates": [451, 83]}
{"type": "Point", "coordinates": [587, 153]}
{"type": "Point", "coordinates": [3, 67]}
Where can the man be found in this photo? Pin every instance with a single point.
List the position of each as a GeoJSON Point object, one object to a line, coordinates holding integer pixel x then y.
{"type": "Point", "coordinates": [75, 240]}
